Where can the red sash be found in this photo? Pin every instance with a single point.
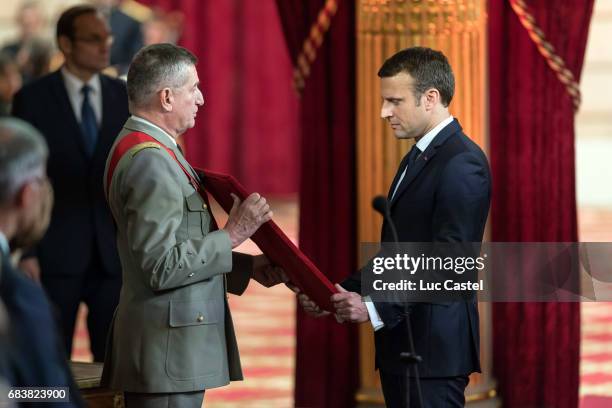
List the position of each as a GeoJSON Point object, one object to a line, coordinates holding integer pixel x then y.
{"type": "Point", "coordinates": [135, 138]}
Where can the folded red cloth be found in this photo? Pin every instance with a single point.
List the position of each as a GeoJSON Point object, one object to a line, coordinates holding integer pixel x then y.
{"type": "Point", "coordinates": [273, 242]}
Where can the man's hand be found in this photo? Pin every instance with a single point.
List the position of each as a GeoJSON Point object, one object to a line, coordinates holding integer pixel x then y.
{"type": "Point", "coordinates": [349, 306]}
{"type": "Point", "coordinates": [267, 274]}
{"type": "Point", "coordinates": [310, 307]}
{"type": "Point", "coordinates": [246, 217]}
{"type": "Point", "coordinates": [31, 268]}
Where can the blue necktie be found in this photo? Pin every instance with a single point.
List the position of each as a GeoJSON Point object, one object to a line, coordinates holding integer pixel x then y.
{"type": "Point", "coordinates": [412, 156]}
{"type": "Point", "coordinates": [89, 126]}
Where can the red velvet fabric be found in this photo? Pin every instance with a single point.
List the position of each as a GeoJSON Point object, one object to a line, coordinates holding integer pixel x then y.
{"type": "Point", "coordinates": [536, 345]}
{"type": "Point", "coordinates": [327, 353]}
{"type": "Point", "coordinates": [273, 242]}
{"type": "Point", "coordinates": [248, 126]}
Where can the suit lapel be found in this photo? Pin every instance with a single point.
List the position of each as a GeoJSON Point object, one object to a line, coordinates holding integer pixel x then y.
{"type": "Point", "coordinates": [424, 158]}
{"type": "Point", "coordinates": [107, 114]}
{"type": "Point", "coordinates": [65, 107]}
{"type": "Point", "coordinates": [399, 172]}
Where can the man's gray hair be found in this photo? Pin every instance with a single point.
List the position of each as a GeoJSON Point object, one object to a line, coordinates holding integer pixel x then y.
{"type": "Point", "coordinates": [23, 156]}
{"type": "Point", "coordinates": [156, 67]}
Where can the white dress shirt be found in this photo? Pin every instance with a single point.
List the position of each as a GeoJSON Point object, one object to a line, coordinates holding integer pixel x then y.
{"type": "Point", "coordinates": [422, 144]}
{"type": "Point", "coordinates": [74, 85]}
{"type": "Point", "coordinates": [4, 245]}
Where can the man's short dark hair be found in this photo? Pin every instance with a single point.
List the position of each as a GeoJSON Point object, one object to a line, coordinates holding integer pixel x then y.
{"type": "Point", "coordinates": [156, 67]}
{"type": "Point", "coordinates": [429, 69]}
{"type": "Point", "coordinates": [65, 24]}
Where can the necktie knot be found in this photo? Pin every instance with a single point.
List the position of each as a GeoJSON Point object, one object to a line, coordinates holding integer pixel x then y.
{"type": "Point", "coordinates": [85, 90]}
{"type": "Point", "coordinates": [412, 155]}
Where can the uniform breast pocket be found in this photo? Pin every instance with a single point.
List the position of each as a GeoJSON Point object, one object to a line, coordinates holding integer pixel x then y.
{"type": "Point", "coordinates": [198, 216]}
{"type": "Point", "coordinates": [194, 339]}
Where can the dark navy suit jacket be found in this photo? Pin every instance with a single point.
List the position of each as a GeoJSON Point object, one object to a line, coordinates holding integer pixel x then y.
{"type": "Point", "coordinates": [127, 32]}
{"type": "Point", "coordinates": [34, 355]}
{"type": "Point", "coordinates": [81, 221]}
{"type": "Point", "coordinates": [444, 197]}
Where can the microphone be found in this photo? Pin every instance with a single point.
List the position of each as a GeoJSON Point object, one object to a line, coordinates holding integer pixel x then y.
{"type": "Point", "coordinates": [381, 205]}
{"type": "Point", "coordinates": [411, 358]}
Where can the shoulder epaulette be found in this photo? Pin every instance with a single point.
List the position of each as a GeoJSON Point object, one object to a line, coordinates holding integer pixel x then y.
{"type": "Point", "coordinates": [141, 146]}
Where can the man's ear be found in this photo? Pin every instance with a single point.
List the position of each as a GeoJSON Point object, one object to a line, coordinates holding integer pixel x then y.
{"type": "Point", "coordinates": [26, 195]}
{"type": "Point", "coordinates": [432, 98]}
{"type": "Point", "coordinates": [166, 99]}
{"type": "Point", "coordinates": [65, 44]}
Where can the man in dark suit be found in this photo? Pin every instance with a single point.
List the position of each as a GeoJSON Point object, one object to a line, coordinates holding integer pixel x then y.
{"type": "Point", "coordinates": [125, 19]}
{"type": "Point", "coordinates": [79, 111]}
{"type": "Point", "coordinates": [441, 194]}
{"type": "Point", "coordinates": [34, 356]}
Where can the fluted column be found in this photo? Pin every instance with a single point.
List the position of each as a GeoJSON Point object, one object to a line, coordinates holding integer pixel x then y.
{"type": "Point", "coordinates": [458, 29]}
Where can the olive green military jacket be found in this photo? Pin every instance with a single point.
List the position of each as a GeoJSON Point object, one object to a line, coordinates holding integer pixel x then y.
{"type": "Point", "coordinates": [172, 330]}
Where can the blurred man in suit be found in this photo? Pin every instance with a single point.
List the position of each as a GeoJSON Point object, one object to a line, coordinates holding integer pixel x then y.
{"type": "Point", "coordinates": [441, 194]}
{"type": "Point", "coordinates": [173, 335]}
{"type": "Point", "coordinates": [34, 353]}
{"type": "Point", "coordinates": [79, 111]}
{"type": "Point", "coordinates": [125, 19]}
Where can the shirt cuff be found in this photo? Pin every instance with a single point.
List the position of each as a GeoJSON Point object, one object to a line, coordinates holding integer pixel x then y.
{"type": "Point", "coordinates": [377, 323]}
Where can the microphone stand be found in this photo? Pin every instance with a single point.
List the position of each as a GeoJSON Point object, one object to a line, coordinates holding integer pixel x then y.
{"type": "Point", "coordinates": [381, 205]}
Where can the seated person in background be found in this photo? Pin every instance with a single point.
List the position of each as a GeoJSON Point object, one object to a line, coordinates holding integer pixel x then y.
{"type": "Point", "coordinates": [34, 355]}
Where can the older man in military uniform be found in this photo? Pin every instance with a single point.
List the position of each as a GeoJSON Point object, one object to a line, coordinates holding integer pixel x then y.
{"type": "Point", "coordinates": [172, 334]}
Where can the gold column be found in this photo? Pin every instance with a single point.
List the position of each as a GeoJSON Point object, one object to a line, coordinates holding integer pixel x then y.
{"type": "Point", "coordinates": [458, 29]}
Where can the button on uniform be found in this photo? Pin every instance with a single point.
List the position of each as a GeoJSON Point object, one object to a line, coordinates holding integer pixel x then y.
{"type": "Point", "coordinates": [200, 318]}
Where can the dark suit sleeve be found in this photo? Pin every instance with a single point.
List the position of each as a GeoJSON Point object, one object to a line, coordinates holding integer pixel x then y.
{"type": "Point", "coordinates": [353, 282]}
{"type": "Point", "coordinates": [459, 216]}
{"type": "Point", "coordinates": [19, 108]}
{"type": "Point", "coordinates": [36, 353]}
{"type": "Point", "coordinates": [462, 200]}
{"type": "Point", "coordinates": [240, 276]}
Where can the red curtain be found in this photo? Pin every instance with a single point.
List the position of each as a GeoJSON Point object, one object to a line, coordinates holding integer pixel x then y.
{"type": "Point", "coordinates": [249, 124]}
{"type": "Point", "coordinates": [327, 353]}
{"type": "Point", "coordinates": [536, 345]}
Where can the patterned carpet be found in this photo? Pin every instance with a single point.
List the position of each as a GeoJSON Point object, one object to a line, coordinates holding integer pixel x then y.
{"type": "Point", "coordinates": [264, 321]}
{"type": "Point", "coordinates": [596, 342]}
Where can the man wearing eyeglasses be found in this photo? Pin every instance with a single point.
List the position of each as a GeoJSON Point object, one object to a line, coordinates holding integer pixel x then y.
{"type": "Point", "coordinates": [79, 111]}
